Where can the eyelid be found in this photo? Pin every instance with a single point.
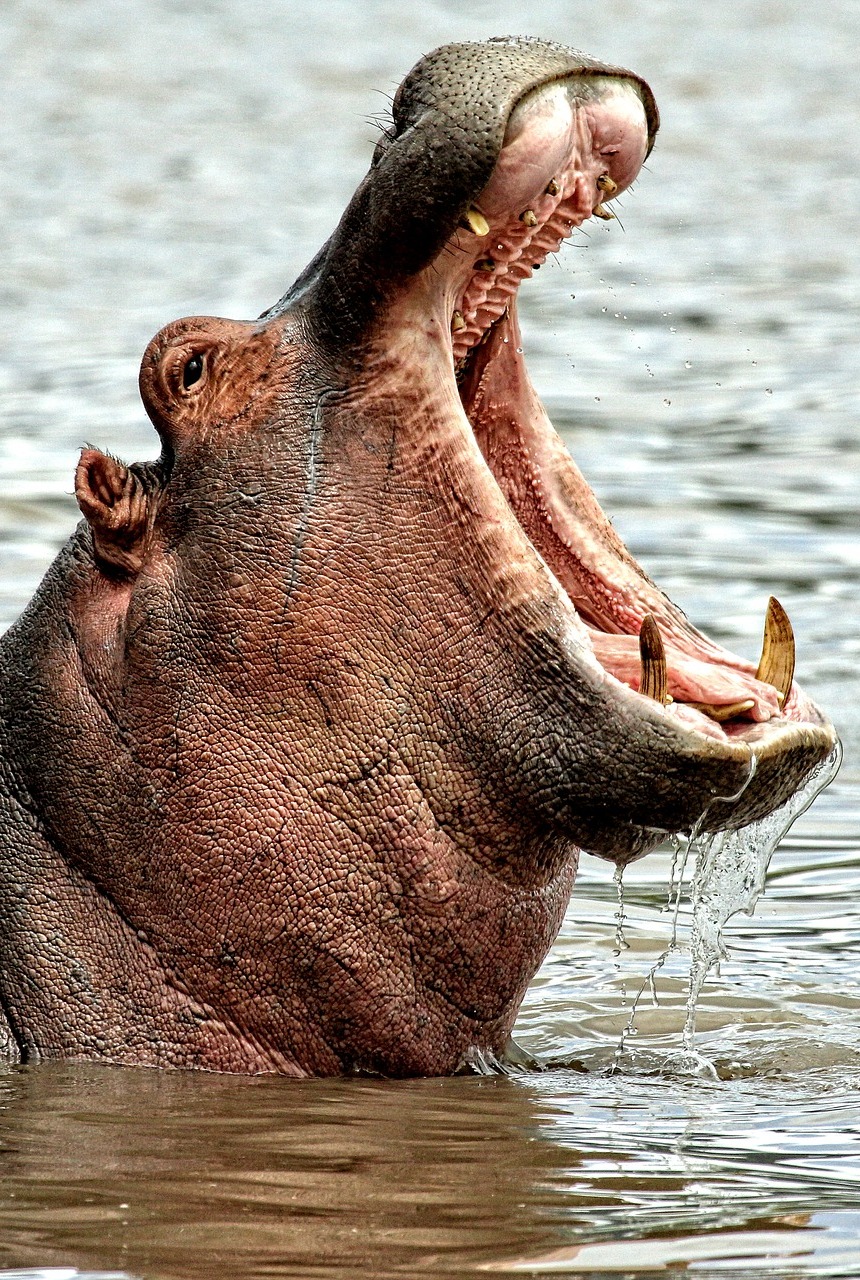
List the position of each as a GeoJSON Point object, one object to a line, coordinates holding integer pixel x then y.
{"type": "Point", "coordinates": [174, 367]}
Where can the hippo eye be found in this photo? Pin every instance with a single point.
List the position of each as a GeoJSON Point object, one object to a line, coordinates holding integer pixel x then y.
{"type": "Point", "coordinates": [192, 372]}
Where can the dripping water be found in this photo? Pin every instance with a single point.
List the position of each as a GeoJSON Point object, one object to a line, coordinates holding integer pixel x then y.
{"type": "Point", "coordinates": [731, 868]}
{"type": "Point", "coordinates": [730, 872]}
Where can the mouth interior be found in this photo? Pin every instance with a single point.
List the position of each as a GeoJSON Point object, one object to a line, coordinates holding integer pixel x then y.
{"type": "Point", "coordinates": [570, 147]}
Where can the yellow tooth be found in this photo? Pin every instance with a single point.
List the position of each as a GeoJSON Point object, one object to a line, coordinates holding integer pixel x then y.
{"type": "Point", "coordinates": [776, 665]}
{"type": "Point", "coordinates": [725, 711]}
{"type": "Point", "coordinates": [473, 220]}
{"type": "Point", "coordinates": [606, 184]}
{"type": "Point", "coordinates": [652, 678]}
{"type": "Point", "coordinates": [600, 211]}
{"type": "Point", "coordinates": [529, 217]}
{"type": "Point", "coordinates": [485, 264]}
{"type": "Point", "coordinates": [457, 322]}
{"type": "Point", "coordinates": [552, 188]}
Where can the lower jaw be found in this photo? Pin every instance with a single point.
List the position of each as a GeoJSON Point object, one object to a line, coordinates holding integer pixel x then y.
{"type": "Point", "coordinates": [708, 688]}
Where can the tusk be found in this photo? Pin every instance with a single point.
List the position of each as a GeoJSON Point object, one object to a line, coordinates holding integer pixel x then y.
{"type": "Point", "coordinates": [776, 665]}
{"type": "Point", "coordinates": [727, 711]}
{"type": "Point", "coordinates": [652, 678]}
{"type": "Point", "coordinates": [473, 220]}
{"type": "Point", "coordinates": [600, 211]}
{"type": "Point", "coordinates": [605, 183]}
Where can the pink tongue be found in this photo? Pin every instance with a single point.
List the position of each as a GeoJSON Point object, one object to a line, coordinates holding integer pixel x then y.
{"type": "Point", "coordinates": [690, 680]}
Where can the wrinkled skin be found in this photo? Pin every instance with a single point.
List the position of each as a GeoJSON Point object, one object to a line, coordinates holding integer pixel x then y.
{"type": "Point", "coordinates": [305, 725]}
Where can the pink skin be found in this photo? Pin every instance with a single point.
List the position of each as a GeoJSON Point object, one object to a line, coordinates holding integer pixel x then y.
{"type": "Point", "coordinates": [549, 139]}
{"type": "Point", "coordinates": [554, 141]}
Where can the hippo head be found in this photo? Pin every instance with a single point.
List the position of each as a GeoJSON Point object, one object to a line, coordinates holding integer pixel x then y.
{"type": "Point", "coordinates": [362, 664]}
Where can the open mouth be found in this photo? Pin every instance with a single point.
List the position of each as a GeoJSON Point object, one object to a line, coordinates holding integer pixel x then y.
{"type": "Point", "coordinates": [569, 149]}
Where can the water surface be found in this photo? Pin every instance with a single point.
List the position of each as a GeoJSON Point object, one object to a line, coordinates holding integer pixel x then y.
{"type": "Point", "coordinates": [160, 159]}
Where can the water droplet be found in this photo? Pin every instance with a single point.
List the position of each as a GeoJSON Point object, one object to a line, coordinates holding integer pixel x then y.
{"type": "Point", "coordinates": [768, 391]}
{"type": "Point", "coordinates": [667, 403]}
{"type": "Point", "coordinates": [688, 364]}
{"type": "Point", "coordinates": [519, 351]}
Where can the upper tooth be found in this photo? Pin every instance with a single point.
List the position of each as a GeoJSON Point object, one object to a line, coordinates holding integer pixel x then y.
{"type": "Point", "coordinates": [529, 217]}
{"type": "Point", "coordinates": [457, 322]}
{"type": "Point", "coordinates": [605, 183]}
{"type": "Point", "coordinates": [474, 220]}
{"type": "Point", "coordinates": [776, 665]}
{"type": "Point", "coordinates": [652, 680]}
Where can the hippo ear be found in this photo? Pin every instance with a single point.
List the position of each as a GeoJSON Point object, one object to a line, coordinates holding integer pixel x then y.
{"type": "Point", "coordinates": [116, 505]}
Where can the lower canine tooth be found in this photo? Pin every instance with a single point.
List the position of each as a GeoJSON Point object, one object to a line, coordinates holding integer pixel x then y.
{"type": "Point", "coordinates": [473, 220]}
{"type": "Point", "coordinates": [776, 665]}
{"type": "Point", "coordinates": [727, 711]}
{"type": "Point", "coordinates": [600, 211]}
{"type": "Point", "coordinates": [652, 678]}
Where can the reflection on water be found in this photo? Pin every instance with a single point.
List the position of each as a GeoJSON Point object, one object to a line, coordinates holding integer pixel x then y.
{"type": "Point", "coordinates": [703, 364]}
{"type": "Point", "coordinates": [183, 1175]}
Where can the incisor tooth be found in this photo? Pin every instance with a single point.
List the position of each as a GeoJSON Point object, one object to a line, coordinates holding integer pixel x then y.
{"type": "Point", "coordinates": [529, 217]}
{"type": "Point", "coordinates": [652, 679]}
{"type": "Point", "coordinates": [605, 183]}
{"type": "Point", "coordinates": [600, 211]}
{"type": "Point", "coordinates": [552, 188]}
{"type": "Point", "coordinates": [473, 220]}
{"type": "Point", "coordinates": [724, 711]}
{"type": "Point", "coordinates": [457, 322]}
{"type": "Point", "coordinates": [776, 665]}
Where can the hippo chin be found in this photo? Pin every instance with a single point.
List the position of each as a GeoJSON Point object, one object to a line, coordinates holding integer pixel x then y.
{"type": "Point", "coordinates": [305, 725]}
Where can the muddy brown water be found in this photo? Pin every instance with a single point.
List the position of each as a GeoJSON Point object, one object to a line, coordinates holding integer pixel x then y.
{"type": "Point", "coordinates": [160, 159]}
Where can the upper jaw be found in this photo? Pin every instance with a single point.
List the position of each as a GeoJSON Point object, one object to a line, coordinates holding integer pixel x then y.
{"type": "Point", "coordinates": [450, 117]}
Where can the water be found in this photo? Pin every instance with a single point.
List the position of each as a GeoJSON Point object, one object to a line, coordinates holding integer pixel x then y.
{"type": "Point", "coordinates": [161, 159]}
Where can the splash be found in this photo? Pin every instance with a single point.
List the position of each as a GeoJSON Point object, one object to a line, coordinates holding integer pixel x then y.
{"type": "Point", "coordinates": [731, 868]}
{"type": "Point", "coordinates": [730, 872]}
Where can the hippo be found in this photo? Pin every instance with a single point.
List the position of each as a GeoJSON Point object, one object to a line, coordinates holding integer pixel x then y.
{"type": "Point", "coordinates": [306, 725]}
